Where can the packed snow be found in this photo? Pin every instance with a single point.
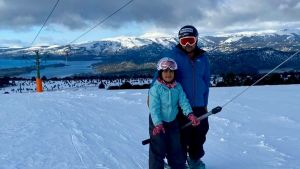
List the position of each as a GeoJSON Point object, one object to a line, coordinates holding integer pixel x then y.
{"type": "Point", "coordinates": [101, 129]}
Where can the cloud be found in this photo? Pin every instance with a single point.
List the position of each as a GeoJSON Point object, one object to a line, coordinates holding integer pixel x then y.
{"type": "Point", "coordinates": [297, 6]}
{"type": "Point", "coordinates": [207, 15]}
{"type": "Point", "coordinates": [1, 4]}
{"type": "Point", "coordinates": [11, 43]}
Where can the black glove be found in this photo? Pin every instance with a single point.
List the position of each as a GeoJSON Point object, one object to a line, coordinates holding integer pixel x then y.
{"type": "Point", "coordinates": [216, 110]}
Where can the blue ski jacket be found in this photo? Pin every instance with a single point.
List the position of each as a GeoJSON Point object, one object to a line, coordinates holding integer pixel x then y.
{"type": "Point", "coordinates": [164, 102]}
{"type": "Point", "coordinates": [193, 75]}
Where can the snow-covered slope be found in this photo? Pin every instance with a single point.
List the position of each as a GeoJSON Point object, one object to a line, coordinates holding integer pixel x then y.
{"type": "Point", "coordinates": [100, 129]}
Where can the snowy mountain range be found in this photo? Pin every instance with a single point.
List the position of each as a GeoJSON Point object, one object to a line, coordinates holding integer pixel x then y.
{"type": "Point", "coordinates": [243, 52]}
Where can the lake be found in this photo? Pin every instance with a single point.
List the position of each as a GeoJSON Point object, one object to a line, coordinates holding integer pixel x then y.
{"type": "Point", "coordinates": [71, 68]}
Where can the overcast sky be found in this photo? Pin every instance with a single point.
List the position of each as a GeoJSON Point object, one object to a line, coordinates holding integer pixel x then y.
{"type": "Point", "coordinates": [21, 19]}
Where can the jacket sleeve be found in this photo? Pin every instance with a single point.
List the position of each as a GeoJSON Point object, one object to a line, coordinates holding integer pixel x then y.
{"type": "Point", "coordinates": [151, 84]}
{"type": "Point", "coordinates": [154, 78]}
{"type": "Point", "coordinates": [206, 79]}
{"type": "Point", "coordinates": [154, 106]}
{"type": "Point", "coordinates": [184, 102]}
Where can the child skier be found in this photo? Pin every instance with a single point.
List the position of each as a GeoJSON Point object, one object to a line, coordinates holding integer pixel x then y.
{"type": "Point", "coordinates": [165, 96]}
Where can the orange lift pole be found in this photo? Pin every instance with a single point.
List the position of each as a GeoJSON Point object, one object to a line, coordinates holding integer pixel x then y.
{"type": "Point", "coordinates": [38, 80]}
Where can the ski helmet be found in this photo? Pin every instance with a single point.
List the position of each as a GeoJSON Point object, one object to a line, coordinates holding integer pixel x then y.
{"type": "Point", "coordinates": [187, 30]}
{"type": "Point", "coordinates": [166, 63]}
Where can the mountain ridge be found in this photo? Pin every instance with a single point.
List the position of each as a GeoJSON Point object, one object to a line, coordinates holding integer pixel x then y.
{"type": "Point", "coordinates": [244, 53]}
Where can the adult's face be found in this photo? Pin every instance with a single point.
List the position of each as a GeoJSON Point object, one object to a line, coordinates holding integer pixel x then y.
{"type": "Point", "coordinates": [188, 43]}
{"type": "Point", "coordinates": [189, 48]}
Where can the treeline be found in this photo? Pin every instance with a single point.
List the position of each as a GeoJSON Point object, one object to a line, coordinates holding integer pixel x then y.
{"type": "Point", "coordinates": [9, 81]}
{"type": "Point", "coordinates": [141, 82]}
{"type": "Point", "coordinates": [4, 82]}
{"type": "Point", "coordinates": [128, 85]}
{"type": "Point", "coordinates": [21, 85]}
{"type": "Point", "coordinates": [232, 79]}
{"type": "Point", "coordinates": [90, 77]}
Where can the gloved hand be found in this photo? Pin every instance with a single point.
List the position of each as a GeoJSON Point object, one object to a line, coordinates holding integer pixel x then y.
{"type": "Point", "coordinates": [158, 129]}
{"type": "Point", "coordinates": [193, 119]}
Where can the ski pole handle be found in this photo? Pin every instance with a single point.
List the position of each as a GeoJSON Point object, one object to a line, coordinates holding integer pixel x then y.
{"type": "Point", "coordinates": [147, 141]}
{"type": "Point", "coordinates": [216, 110]}
{"type": "Point", "coordinates": [213, 111]}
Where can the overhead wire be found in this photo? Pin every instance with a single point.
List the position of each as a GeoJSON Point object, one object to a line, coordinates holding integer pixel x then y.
{"type": "Point", "coordinates": [256, 82]}
{"type": "Point", "coordinates": [84, 33]}
{"type": "Point", "coordinates": [99, 23]}
{"type": "Point", "coordinates": [48, 17]}
{"type": "Point", "coordinates": [27, 59]}
{"type": "Point", "coordinates": [68, 50]}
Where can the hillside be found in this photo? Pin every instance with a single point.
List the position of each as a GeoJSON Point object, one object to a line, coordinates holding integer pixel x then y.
{"type": "Point", "coordinates": [91, 128]}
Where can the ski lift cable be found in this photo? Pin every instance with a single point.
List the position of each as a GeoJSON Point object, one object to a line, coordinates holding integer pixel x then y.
{"type": "Point", "coordinates": [102, 21]}
{"type": "Point", "coordinates": [48, 17]}
{"type": "Point", "coordinates": [36, 36]}
{"type": "Point", "coordinates": [239, 94]}
{"type": "Point", "coordinates": [219, 108]}
{"type": "Point", "coordinates": [99, 23]}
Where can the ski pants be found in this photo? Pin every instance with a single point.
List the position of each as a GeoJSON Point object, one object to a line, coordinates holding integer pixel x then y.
{"type": "Point", "coordinates": [166, 145]}
{"type": "Point", "coordinates": [193, 138]}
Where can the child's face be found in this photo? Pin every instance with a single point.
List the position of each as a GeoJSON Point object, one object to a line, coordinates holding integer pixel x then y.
{"type": "Point", "coordinates": [168, 75]}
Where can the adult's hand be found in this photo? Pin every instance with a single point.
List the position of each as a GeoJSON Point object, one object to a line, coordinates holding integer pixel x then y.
{"type": "Point", "coordinates": [193, 119]}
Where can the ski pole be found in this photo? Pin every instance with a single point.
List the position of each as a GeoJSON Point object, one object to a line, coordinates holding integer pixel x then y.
{"type": "Point", "coordinates": [213, 111]}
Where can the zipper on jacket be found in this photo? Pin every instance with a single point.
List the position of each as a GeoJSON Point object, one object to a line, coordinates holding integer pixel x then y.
{"type": "Point", "coordinates": [170, 102]}
{"type": "Point", "coordinates": [193, 88]}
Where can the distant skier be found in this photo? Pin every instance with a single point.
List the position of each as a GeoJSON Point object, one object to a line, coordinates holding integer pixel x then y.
{"type": "Point", "coordinates": [165, 96]}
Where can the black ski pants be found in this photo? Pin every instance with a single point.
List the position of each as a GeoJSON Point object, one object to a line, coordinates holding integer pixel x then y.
{"type": "Point", "coordinates": [166, 145]}
{"type": "Point", "coordinates": [193, 138]}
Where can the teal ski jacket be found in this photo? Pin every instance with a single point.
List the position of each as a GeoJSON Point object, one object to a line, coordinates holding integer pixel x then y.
{"type": "Point", "coordinates": [164, 102]}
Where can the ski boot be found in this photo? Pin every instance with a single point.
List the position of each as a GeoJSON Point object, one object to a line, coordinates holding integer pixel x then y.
{"type": "Point", "coordinates": [166, 166]}
{"type": "Point", "coordinates": [196, 164]}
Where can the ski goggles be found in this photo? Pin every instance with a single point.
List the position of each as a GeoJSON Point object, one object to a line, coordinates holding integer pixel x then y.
{"type": "Point", "coordinates": [167, 64]}
{"type": "Point", "coordinates": [191, 40]}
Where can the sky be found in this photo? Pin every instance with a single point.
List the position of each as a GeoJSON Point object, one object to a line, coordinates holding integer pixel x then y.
{"type": "Point", "coordinates": [88, 128]}
{"type": "Point", "coordinates": [21, 20]}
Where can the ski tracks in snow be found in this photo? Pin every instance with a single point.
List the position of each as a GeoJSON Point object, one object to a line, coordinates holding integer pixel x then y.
{"type": "Point", "coordinates": [100, 129]}
{"type": "Point", "coordinates": [106, 139]}
{"type": "Point", "coordinates": [73, 139]}
{"type": "Point", "coordinates": [256, 144]}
